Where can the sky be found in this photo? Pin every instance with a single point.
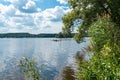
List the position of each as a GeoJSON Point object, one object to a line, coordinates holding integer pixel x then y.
{"type": "Point", "coordinates": [32, 16]}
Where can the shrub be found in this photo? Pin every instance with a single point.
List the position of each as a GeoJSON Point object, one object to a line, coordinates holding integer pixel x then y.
{"type": "Point", "coordinates": [105, 63]}
{"type": "Point", "coordinates": [29, 69]}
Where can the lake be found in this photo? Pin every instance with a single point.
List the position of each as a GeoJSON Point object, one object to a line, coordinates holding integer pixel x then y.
{"type": "Point", "coordinates": [58, 57]}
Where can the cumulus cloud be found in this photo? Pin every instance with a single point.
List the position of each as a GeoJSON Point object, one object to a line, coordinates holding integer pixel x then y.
{"type": "Point", "coordinates": [50, 18]}
{"type": "Point", "coordinates": [7, 10]}
{"type": "Point", "coordinates": [2, 21]}
{"type": "Point", "coordinates": [26, 16]}
{"type": "Point", "coordinates": [63, 1]}
{"type": "Point", "coordinates": [54, 14]}
{"type": "Point", "coordinates": [27, 6]}
{"type": "Point", "coordinates": [30, 7]}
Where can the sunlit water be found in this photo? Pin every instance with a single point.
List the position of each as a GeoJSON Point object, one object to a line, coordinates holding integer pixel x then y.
{"type": "Point", "coordinates": [58, 57]}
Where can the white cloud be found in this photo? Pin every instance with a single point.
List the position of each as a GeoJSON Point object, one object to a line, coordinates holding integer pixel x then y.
{"type": "Point", "coordinates": [12, 1]}
{"type": "Point", "coordinates": [26, 6]}
{"type": "Point", "coordinates": [63, 1]}
{"type": "Point", "coordinates": [17, 3]}
{"type": "Point", "coordinates": [54, 13]}
{"type": "Point", "coordinates": [2, 21]}
{"type": "Point", "coordinates": [9, 10]}
{"type": "Point", "coordinates": [49, 17]}
{"type": "Point", "coordinates": [29, 5]}
{"type": "Point", "coordinates": [14, 19]}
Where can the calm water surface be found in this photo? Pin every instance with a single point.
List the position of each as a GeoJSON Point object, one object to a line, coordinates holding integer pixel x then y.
{"type": "Point", "coordinates": [58, 58]}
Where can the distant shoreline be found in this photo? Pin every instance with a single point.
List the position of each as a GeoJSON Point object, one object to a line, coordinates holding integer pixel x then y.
{"type": "Point", "coordinates": [28, 35]}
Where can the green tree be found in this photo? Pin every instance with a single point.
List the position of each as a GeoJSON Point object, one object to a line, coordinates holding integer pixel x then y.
{"type": "Point", "coordinates": [66, 32]}
{"type": "Point", "coordinates": [59, 35]}
{"type": "Point", "coordinates": [101, 21]}
{"type": "Point", "coordinates": [89, 10]}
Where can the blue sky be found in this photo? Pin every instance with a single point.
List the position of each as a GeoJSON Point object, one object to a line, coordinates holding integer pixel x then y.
{"type": "Point", "coordinates": [33, 16]}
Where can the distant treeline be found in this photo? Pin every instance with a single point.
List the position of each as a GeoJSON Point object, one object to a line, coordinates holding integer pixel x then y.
{"type": "Point", "coordinates": [62, 35]}
{"type": "Point", "coordinates": [27, 35]}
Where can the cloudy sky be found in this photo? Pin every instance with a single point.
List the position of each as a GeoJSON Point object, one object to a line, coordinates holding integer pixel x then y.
{"type": "Point", "coordinates": [33, 16]}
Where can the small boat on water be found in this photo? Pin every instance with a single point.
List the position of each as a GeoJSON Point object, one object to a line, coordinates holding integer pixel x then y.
{"type": "Point", "coordinates": [56, 40]}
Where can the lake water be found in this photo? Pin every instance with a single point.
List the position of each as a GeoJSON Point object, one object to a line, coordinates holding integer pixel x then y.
{"type": "Point", "coordinates": [58, 57]}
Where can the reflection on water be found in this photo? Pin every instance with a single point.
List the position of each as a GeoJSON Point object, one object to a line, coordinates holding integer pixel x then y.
{"type": "Point", "coordinates": [68, 73]}
{"type": "Point", "coordinates": [10, 71]}
{"type": "Point", "coordinates": [58, 57]}
{"type": "Point", "coordinates": [79, 58]}
{"type": "Point", "coordinates": [49, 73]}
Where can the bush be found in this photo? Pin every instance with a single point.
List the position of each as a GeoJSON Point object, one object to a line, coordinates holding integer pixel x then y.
{"type": "Point", "coordinates": [29, 69]}
{"type": "Point", "coordinates": [105, 63]}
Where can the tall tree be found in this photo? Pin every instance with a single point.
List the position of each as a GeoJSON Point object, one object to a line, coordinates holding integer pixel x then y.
{"type": "Point", "coordinates": [89, 10]}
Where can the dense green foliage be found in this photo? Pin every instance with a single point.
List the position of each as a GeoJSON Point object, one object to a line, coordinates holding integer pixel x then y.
{"type": "Point", "coordinates": [101, 21]}
{"type": "Point", "coordinates": [102, 32]}
{"type": "Point", "coordinates": [62, 35]}
{"type": "Point", "coordinates": [66, 33]}
{"type": "Point", "coordinates": [89, 10]}
{"type": "Point", "coordinates": [29, 69]}
{"type": "Point", "coordinates": [105, 63]}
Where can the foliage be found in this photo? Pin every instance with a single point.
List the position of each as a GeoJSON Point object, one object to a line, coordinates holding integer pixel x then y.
{"type": "Point", "coordinates": [68, 19]}
{"type": "Point", "coordinates": [101, 32]}
{"type": "Point", "coordinates": [88, 11]}
{"type": "Point", "coordinates": [100, 67]}
{"type": "Point", "coordinates": [29, 69]}
{"type": "Point", "coordinates": [105, 63]}
{"type": "Point", "coordinates": [78, 37]}
{"type": "Point", "coordinates": [59, 35]}
{"type": "Point", "coordinates": [66, 33]}
{"type": "Point", "coordinates": [101, 21]}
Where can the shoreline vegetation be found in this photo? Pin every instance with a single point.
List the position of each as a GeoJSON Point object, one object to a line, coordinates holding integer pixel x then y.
{"type": "Point", "coordinates": [100, 21]}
